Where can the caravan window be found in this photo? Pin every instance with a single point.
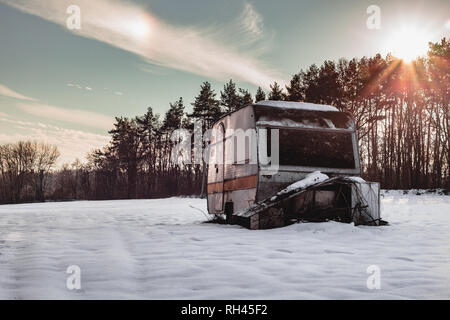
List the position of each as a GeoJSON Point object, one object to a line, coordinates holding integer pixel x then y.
{"type": "Point", "coordinates": [314, 148]}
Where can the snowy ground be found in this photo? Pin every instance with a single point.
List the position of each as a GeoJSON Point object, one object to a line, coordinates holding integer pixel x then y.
{"type": "Point", "coordinates": [159, 249]}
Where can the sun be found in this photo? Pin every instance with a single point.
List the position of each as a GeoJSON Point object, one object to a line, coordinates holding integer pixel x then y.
{"type": "Point", "coordinates": [139, 28]}
{"type": "Point", "coordinates": [408, 43]}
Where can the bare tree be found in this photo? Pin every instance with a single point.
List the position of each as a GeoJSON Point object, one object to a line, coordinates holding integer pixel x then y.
{"type": "Point", "coordinates": [45, 158]}
{"type": "Point", "coordinates": [22, 164]}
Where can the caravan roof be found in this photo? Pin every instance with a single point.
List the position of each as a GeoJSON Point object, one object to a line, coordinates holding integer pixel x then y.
{"type": "Point", "coordinates": [296, 105]}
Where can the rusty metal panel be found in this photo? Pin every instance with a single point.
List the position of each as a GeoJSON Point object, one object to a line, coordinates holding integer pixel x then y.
{"type": "Point", "coordinates": [241, 183]}
{"type": "Point", "coordinates": [215, 203]}
{"type": "Point", "coordinates": [366, 195]}
{"type": "Point", "coordinates": [242, 199]}
{"type": "Point", "coordinates": [215, 187]}
{"type": "Point", "coordinates": [248, 182]}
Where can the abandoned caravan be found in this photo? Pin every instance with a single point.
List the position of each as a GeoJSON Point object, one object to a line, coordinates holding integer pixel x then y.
{"type": "Point", "coordinates": [274, 163]}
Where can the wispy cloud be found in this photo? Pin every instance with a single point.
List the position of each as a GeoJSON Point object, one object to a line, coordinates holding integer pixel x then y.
{"type": "Point", "coordinates": [81, 117]}
{"type": "Point", "coordinates": [7, 92]}
{"type": "Point", "coordinates": [199, 50]}
{"type": "Point", "coordinates": [71, 143]}
{"type": "Point", "coordinates": [82, 87]}
{"type": "Point", "coordinates": [252, 21]}
{"type": "Point", "coordinates": [79, 86]}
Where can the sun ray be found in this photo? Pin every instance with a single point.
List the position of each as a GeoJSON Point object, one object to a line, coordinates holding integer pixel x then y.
{"type": "Point", "coordinates": [408, 43]}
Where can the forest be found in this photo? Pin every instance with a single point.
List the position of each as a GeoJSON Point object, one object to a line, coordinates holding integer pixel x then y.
{"type": "Point", "coordinates": [401, 112]}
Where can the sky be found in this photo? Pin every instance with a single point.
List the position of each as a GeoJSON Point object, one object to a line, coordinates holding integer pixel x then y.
{"type": "Point", "coordinates": [64, 86]}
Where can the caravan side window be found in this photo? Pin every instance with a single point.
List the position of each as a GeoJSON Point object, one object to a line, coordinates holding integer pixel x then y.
{"type": "Point", "coordinates": [314, 148]}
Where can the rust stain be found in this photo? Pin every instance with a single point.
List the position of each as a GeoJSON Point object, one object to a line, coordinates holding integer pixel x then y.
{"type": "Point", "coordinates": [215, 187]}
{"type": "Point", "coordinates": [241, 183]}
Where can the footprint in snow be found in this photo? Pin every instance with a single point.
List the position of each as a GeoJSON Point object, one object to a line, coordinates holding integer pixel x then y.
{"type": "Point", "coordinates": [332, 251]}
{"type": "Point", "coordinates": [403, 258]}
{"type": "Point", "coordinates": [284, 250]}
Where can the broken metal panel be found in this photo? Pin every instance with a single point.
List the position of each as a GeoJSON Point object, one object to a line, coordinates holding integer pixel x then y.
{"type": "Point", "coordinates": [330, 201]}
{"type": "Point", "coordinates": [366, 203]}
{"type": "Point", "coordinates": [269, 185]}
{"type": "Point", "coordinates": [343, 199]}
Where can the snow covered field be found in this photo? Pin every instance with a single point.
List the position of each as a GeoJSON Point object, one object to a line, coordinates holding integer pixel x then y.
{"type": "Point", "coordinates": [160, 249]}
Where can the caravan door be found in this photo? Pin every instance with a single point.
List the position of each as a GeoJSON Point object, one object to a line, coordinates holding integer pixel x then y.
{"type": "Point", "coordinates": [216, 172]}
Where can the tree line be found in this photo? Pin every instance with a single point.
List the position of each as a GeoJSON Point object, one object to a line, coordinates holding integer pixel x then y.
{"type": "Point", "coordinates": [401, 112]}
{"type": "Point", "coordinates": [24, 170]}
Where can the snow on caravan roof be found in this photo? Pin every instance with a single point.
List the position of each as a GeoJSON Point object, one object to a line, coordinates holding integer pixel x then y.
{"type": "Point", "coordinates": [296, 105]}
{"type": "Point", "coordinates": [301, 115]}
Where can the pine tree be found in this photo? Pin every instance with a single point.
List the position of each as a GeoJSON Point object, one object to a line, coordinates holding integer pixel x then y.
{"type": "Point", "coordinates": [149, 129]}
{"type": "Point", "coordinates": [244, 98]}
{"type": "Point", "coordinates": [125, 145]}
{"type": "Point", "coordinates": [260, 95]}
{"type": "Point", "coordinates": [174, 116]}
{"type": "Point", "coordinates": [276, 92]}
{"type": "Point", "coordinates": [310, 81]}
{"type": "Point", "coordinates": [328, 84]}
{"type": "Point", "coordinates": [295, 89]}
{"type": "Point", "coordinates": [206, 107]}
{"type": "Point", "coordinates": [148, 122]}
{"type": "Point", "coordinates": [229, 97]}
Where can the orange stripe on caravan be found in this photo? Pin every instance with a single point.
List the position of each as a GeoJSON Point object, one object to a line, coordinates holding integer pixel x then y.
{"type": "Point", "coordinates": [215, 187]}
{"type": "Point", "coordinates": [248, 182]}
